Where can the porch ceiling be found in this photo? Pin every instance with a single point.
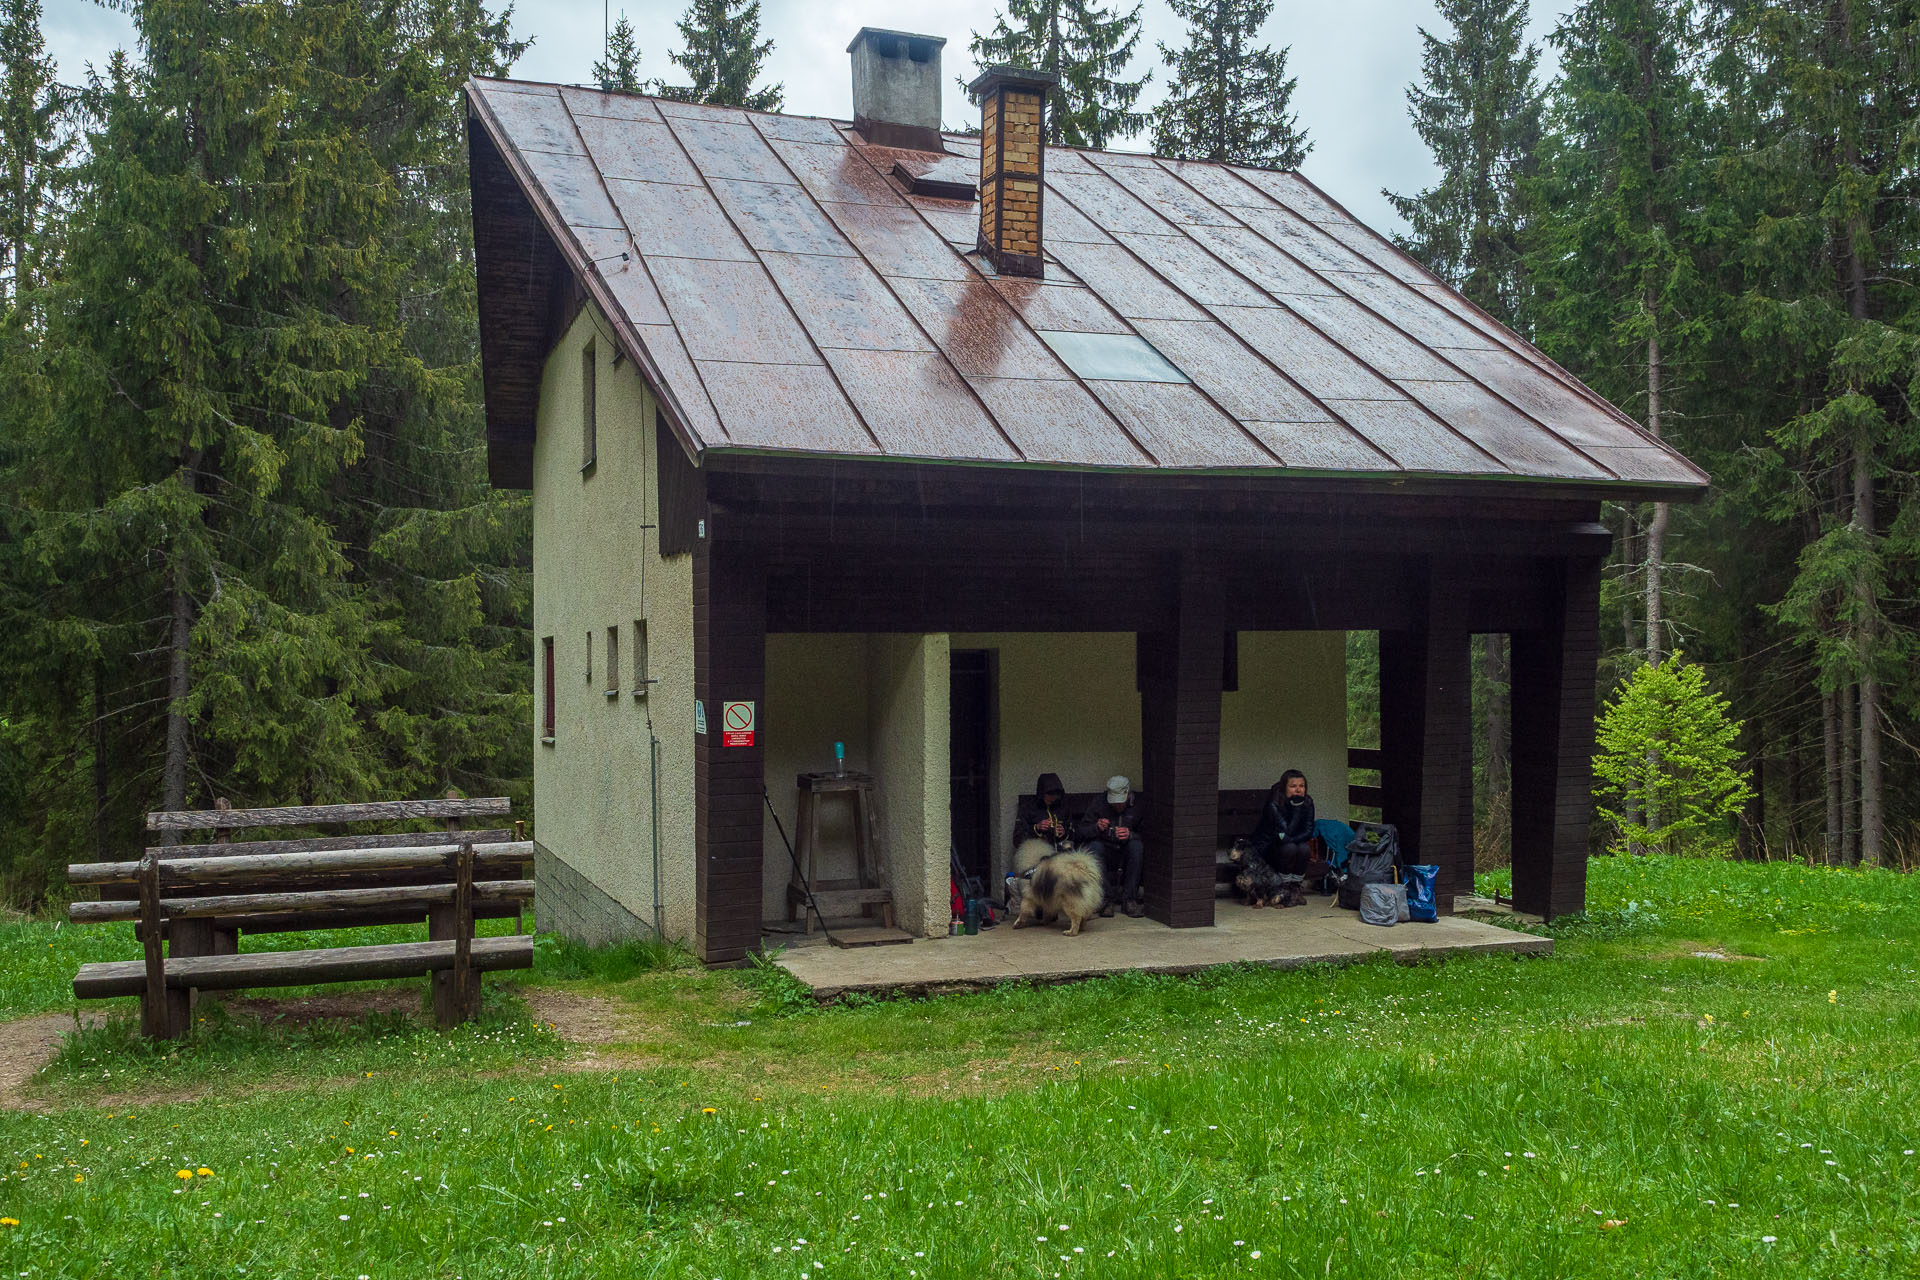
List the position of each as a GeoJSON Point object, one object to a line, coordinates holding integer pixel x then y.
{"type": "Point", "coordinates": [1318, 933]}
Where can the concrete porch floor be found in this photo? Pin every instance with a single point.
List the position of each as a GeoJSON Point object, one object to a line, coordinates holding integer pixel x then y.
{"type": "Point", "coordinates": [1316, 933]}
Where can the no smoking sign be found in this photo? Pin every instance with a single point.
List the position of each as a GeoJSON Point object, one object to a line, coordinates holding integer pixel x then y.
{"type": "Point", "coordinates": [736, 724]}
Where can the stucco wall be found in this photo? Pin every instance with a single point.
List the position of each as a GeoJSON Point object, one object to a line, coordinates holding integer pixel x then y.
{"type": "Point", "coordinates": [910, 679]}
{"type": "Point", "coordinates": [885, 696]}
{"type": "Point", "coordinates": [1290, 712]}
{"type": "Point", "coordinates": [596, 566]}
{"type": "Point", "coordinates": [1068, 706]}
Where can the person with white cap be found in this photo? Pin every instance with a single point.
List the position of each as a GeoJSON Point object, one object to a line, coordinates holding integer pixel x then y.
{"type": "Point", "coordinates": [1112, 824]}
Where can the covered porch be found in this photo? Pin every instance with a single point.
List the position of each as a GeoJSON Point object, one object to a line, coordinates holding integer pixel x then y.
{"type": "Point", "coordinates": [1175, 569]}
{"type": "Point", "coordinates": [1318, 933]}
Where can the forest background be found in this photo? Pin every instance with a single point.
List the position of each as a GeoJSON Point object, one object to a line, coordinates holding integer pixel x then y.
{"type": "Point", "coordinates": [247, 548]}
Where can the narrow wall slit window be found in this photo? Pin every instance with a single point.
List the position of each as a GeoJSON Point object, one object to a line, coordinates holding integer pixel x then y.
{"type": "Point", "coordinates": [613, 662]}
{"type": "Point", "coordinates": [640, 678]}
{"type": "Point", "coordinates": [546, 689]}
{"type": "Point", "coordinates": [589, 407]}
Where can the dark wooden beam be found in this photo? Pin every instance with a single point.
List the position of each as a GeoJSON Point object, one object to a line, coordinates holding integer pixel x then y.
{"type": "Point", "coordinates": [1554, 670]}
{"type": "Point", "coordinates": [1180, 673]}
{"type": "Point", "coordinates": [729, 665]}
{"type": "Point", "coordinates": [1426, 739]}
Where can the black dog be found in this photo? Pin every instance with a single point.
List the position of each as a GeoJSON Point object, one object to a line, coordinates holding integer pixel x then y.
{"type": "Point", "coordinates": [1259, 886]}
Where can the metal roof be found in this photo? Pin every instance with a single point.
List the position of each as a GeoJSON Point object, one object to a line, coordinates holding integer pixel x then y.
{"type": "Point", "coordinates": [785, 293]}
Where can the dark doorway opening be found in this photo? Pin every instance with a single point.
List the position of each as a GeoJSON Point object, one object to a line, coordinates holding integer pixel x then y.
{"type": "Point", "coordinates": [970, 752]}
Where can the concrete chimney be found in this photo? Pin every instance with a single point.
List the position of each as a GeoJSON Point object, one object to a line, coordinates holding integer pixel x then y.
{"type": "Point", "coordinates": [1013, 105]}
{"type": "Point", "coordinates": [896, 88]}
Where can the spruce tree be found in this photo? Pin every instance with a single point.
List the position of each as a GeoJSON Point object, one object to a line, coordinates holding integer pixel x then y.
{"type": "Point", "coordinates": [258, 497]}
{"type": "Point", "coordinates": [1822, 204]}
{"type": "Point", "coordinates": [1229, 95]}
{"type": "Point", "coordinates": [619, 71]}
{"type": "Point", "coordinates": [1477, 109]}
{"type": "Point", "coordinates": [723, 56]}
{"type": "Point", "coordinates": [1618, 295]}
{"type": "Point", "coordinates": [1089, 48]}
{"type": "Point", "coordinates": [34, 143]}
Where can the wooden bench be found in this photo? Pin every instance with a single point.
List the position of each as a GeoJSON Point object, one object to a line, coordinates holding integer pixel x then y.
{"type": "Point", "coordinates": [1239, 814]}
{"type": "Point", "coordinates": [197, 899]}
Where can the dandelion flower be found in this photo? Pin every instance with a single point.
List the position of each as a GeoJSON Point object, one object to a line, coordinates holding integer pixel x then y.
{"type": "Point", "coordinates": [204, 1172]}
{"type": "Point", "coordinates": [9, 1222]}
{"type": "Point", "coordinates": [184, 1174]}
{"type": "Point", "coordinates": [1833, 997]}
{"type": "Point", "coordinates": [705, 1111]}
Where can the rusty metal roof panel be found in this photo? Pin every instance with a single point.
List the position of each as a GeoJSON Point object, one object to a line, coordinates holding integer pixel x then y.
{"type": "Point", "coordinates": [627, 107]}
{"type": "Point", "coordinates": [730, 311]}
{"type": "Point", "coordinates": [779, 219]}
{"type": "Point", "coordinates": [1179, 426]}
{"type": "Point", "coordinates": [784, 406]}
{"type": "Point", "coordinates": [642, 151]}
{"type": "Point", "coordinates": [1058, 422]}
{"type": "Point", "coordinates": [729, 149]}
{"type": "Point", "coordinates": [575, 188]}
{"type": "Point", "coordinates": [1072, 308]}
{"type": "Point", "coordinates": [776, 278]}
{"type": "Point", "coordinates": [977, 331]}
{"type": "Point", "coordinates": [1126, 284]}
{"type": "Point", "coordinates": [918, 407]}
{"type": "Point", "coordinates": [678, 222]}
{"type": "Point", "coordinates": [1244, 384]}
{"type": "Point", "coordinates": [844, 303]}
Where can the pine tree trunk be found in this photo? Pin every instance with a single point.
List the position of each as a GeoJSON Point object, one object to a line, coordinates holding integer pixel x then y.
{"type": "Point", "coordinates": [1849, 763]}
{"type": "Point", "coordinates": [100, 772]}
{"type": "Point", "coordinates": [173, 773]}
{"type": "Point", "coordinates": [1493, 664]}
{"type": "Point", "coordinates": [1629, 638]}
{"type": "Point", "coordinates": [1834, 847]}
{"type": "Point", "coordinates": [1872, 819]}
{"type": "Point", "coordinates": [1657, 530]}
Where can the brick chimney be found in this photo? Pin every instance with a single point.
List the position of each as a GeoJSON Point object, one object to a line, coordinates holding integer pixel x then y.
{"type": "Point", "coordinates": [1013, 104]}
{"type": "Point", "coordinates": [896, 88]}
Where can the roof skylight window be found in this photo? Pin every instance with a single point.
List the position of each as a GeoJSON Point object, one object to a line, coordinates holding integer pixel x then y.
{"type": "Point", "coordinates": [1119, 357]}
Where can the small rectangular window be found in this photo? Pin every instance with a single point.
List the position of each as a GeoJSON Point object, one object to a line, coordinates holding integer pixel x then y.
{"type": "Point", "coordinates": [640, 680]}
{"type": "Point", "coordinates": [589, 657]}
{"type": "Point", "coordinates": [589, 407]}
{"type": "Point", "coordinates": [613, 662]}
{"type": "Point", "coordinates": [1119, 357]}
{"type": "Point", "coordinates": [546, 689]}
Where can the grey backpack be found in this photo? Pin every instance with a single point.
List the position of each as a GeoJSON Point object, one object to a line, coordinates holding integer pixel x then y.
{"type": "Point", "coordinates": [1383, 904]}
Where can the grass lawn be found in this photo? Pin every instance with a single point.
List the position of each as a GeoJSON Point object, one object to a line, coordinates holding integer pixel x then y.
{"type": "Point", "coordinates": [1627, 1107]}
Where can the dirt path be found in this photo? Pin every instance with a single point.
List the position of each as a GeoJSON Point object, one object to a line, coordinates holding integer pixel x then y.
{"type": "Point", "coordinates": [26, 1045]}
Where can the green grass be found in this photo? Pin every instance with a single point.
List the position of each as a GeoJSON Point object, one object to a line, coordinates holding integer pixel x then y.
{"type": "Point", "coordinates": [1754, 1115]}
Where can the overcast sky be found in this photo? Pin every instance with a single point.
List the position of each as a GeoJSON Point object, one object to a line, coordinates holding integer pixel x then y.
{"type": "Point", "coordinates": [1354, 59]}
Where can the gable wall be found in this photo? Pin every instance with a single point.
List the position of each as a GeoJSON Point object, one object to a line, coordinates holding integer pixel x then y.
{"type": "Point", "coordinates": [596, 566]}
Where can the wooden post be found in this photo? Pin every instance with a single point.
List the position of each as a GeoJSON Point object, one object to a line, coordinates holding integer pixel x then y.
{"type": "Point", "coordinates": [466, 982]}
{"type": "Point", "coordinates": [224, 942]}
{"type": "Point", "coordinates": [163, 1013]}
{"type": "Point", "coordinates": [1180, 678]}
{"type": "Point", "coordinates": [1426, 735]}
{"type": "Point", "coordinates": [443, 924]}
{"type": "Point", "coordinates": [729, 665]}
{"type": "Point", "coordinates": [519, 917]}
{"type": "Point", "coordinates": [1554, 669]}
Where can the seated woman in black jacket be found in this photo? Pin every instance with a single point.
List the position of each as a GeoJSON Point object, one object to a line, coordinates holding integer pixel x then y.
{"type": "Point", "coordinates": [1284, 835]}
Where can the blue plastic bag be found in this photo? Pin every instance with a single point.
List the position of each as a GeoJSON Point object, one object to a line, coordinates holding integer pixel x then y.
{"type": "Point", "coordinates": [1420, 893]}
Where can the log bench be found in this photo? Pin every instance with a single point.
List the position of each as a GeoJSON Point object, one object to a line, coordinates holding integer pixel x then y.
{"type": "Point", "coordinates": [197, 899]}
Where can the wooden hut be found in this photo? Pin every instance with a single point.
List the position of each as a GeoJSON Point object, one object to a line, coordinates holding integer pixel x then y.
{"type": "Point", "coordinates": [983, 458]}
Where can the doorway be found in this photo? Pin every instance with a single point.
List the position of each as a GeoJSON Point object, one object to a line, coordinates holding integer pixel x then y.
{"type": "Point", "coordinates": [973, 735]}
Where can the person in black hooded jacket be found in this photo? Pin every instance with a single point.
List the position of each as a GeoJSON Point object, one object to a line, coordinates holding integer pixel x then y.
{"type": "Point", "coordinates": [1284, 834]}
{"type": "Point", "coordinates": [1042, 815]}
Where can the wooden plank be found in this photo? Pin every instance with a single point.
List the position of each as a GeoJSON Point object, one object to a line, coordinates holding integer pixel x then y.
{"type": "Point", "coordinates": [154, 1020]}
{"type": "Point", "coordinates": [177, 871]}
{"type": "Point", "coordinates": [305, 815]}
{"type": "Point", "coordinates": [1365, 758]}
{"type": "Point", "coordinates": [317, 844]}
{"type": "Point", "coordinates": [1553, 675]}
{"type": "Point", "coordinates": [240, 905]}
{"type": "Point", "coordinates": [300, 968]}
{"type": "Point", "coordinates": [465, 980]}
